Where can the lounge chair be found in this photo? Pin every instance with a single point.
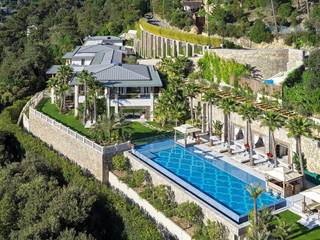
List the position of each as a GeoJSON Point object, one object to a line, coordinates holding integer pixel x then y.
{"type": "Point", "coordinates": [236, 149]}
{"type": "Point", "coordinates": [258, 159]}
{"type": "Point", "coordinates": [221, 148]}
{"type": "Point", "coordinates": [242, 157]}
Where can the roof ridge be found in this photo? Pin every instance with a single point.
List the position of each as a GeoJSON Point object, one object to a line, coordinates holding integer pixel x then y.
{"type": "Point", "coordinates": [135, 73]}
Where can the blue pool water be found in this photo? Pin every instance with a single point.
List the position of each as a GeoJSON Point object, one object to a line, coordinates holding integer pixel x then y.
{"type": "Point", "coordinates": [224, 183]}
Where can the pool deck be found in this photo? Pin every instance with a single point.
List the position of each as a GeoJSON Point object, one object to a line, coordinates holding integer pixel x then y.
{"type": "Point", "coordinates": [227, 158]}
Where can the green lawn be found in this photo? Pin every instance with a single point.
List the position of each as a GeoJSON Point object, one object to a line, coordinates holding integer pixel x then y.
{"type": "Point", "coordinates": [138, 130]}
{"type": "Point", "coordinates": [67, 119]}
{"type": "Point", "coordinates": [299, 232]}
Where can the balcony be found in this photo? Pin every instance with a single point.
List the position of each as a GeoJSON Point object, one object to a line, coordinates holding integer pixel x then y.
{"type": "Point", "coordinates": [132, 100]}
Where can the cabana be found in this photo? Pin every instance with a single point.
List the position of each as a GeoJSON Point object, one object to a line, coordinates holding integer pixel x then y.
{"type": "Point", "coordinates": [312, 194]}
{"type": "Point", "coordinates": [284, 181]}
{"type": "Point", "coordinates": [186, 130]}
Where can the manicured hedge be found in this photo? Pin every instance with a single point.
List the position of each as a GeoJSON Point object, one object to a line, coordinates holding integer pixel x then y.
{"type": "Point", "coordinates": [180, 35]}
{"type": "Point", "coordinates": [136, 225]}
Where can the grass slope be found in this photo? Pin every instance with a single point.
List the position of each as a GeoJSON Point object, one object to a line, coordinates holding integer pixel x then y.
{"type": "Point", "coordinates": [299, 232]}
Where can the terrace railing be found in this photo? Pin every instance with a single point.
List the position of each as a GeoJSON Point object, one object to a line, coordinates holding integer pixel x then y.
{"type": "Point", "coordinates": [101, 149]}
{"type": "Point", "coordinates": [33, 103]}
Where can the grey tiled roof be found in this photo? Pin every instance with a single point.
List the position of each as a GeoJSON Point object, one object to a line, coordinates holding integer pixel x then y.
{"type": "Point", "coordinates": [102, 54]}
{"type": "Point", "coordinates": [106, 65]}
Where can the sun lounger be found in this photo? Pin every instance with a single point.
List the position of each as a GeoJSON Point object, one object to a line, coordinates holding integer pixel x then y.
{"type": "Point", "coordinates": [242, 158]}
{"type": "Point", "coordinates": [221, 148]}
{"type": "Point", "coordinates": [209, 157]}
{"type": "Point", "coordinates": [258, 159]}
{"type": "Point", "coordinates": [214, 138]}
{"type": "Point", "coordinates": [216, 154]}
{"type": "Point", "coordinates": [239, 150]}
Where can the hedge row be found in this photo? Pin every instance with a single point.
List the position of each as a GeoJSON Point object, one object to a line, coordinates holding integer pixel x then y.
{"type": "Point", "coordinates": [179, 35]}
{"type": "Point", "coordinates": [136, 225]}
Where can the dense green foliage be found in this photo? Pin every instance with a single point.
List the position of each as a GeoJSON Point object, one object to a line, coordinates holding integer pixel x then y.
{"type": "Point", "coordinates": [260, 33]}
{"type": "Point", "coordinates": [302, 87]}
{"type": "Point", "coordinates": [42, 31]}
{"type": "Point", "coordinates": [179, 35]}
{"type": "Point", "coordinates": [172, 11]}
{"type": "Point", "coordinates": [216, 69]}
{"type": "Point", "coordinates": [34, 194]}
{"type": "Point", "coordinates": [172, 104]}
{"type": "Point", "coordinates": [161, 197]}
{"type": "Point", "coordinates": [212, 230]}
{"type": "Point", "coordinates": [120, 163]}
{"type": "Point", "coordinates": [255, 19]}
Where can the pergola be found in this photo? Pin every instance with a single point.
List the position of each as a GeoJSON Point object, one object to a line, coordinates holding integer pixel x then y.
{"type": "Point", "coordinates": [186, 130]}
{"type": "Point", "coordinates": [284, 181]}
{"type": "Point", "coordinates": [314, 195]}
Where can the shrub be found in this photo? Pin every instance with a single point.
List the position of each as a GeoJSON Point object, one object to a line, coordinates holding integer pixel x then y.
{"type": "Point", "coordinates": [212, 230]}
{"type": "Point", "coordinates": [284, 11]}
{"type": "Point", "coordinates": [120, 162]}
{"type": "Point", "coordinates": [260, 33]}
{"type": "Point", "coordinates": [161, 197]}
{"type": "Point", "coordinates": [190, 212]}
{"type": "Point", "coordinates": [135, 178]}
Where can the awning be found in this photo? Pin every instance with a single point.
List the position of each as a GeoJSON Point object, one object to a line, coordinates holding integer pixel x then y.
{"type": "Point", "coordinates": [312, 193]}
{"type": "Point", "coordinates": [186, 129]}
{"type": "Point", "coordinates": [283, 174]}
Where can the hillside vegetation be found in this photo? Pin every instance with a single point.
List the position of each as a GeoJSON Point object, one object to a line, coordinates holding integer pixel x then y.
{"type": "Point", "coordinates": [297, 21]}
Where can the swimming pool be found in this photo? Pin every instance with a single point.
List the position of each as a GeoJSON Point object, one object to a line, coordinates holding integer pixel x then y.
{"type": "Point", "coordinates": [218, 183]}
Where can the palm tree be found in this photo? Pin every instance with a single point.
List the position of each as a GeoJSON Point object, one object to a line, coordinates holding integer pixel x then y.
{"type": "Point", "coordinates": [249, 113]}
{"type": "Point", "coordinates": [210, 96]}
{"type": "Point", "coordinates": [63, 77]}
{"type": "Point", "coordinates": [255, 191]}
{"type": "Point", "coordinates": [177, 112]}
{"type": "Point", "coordinates": [228, 106]}
{"type": "Point", "coordinates": [274, 16]}
{"type": "Point", "coordinates": [272, 121]}
{"type": "Point", "coordinates": [90, 87]}
{"type": "Point", "coordinates": [83, 76]}
{"type": "Point", "coordinates": [110, 128]}
{"type": "Point", "coordinates": [93, 86]}
{"type": "Point", "coordinates": [297, 127]}
{"type": "Point", "coordinates": [53, 84]}
{"type": "Point", "coordinates": [191, 90]}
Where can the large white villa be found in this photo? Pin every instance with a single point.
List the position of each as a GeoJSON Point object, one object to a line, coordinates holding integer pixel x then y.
{"type": "Point", "coordinates": [126, 86]}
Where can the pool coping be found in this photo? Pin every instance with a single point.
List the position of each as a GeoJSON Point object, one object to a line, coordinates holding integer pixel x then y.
{"type": "Point", "coordinates": [209, 201]}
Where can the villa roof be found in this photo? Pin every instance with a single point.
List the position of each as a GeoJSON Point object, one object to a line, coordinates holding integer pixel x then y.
{"type": "Point", "coordinates": [283, 174]}
{"type": "Point", "coordinates": [104, 39]}
{"type": "Point", "coordinates": [186, 129]}
{"type": "Point", "coordinates": [312, 193]}
{"type": "Point", "coordinates": [118, 75]}
{"type": "Point", "coordinates": [99, 54]}
{"type": "Point", "coordinates": [104, 61]}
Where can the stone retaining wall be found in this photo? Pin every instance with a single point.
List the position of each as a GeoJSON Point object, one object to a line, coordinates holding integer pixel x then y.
{"type": "Point", "coordinates": [267, 62]}
{"type": "Point", "coordinates": [79, 149]}
{"type": "Point", "coordinates": [74, 149]}
{"type": "Point", "coordinates": [182, 195]}
{"type": "Point", "coordinates": [159, 217]}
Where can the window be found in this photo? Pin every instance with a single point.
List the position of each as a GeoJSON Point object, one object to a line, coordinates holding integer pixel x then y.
{"type": "Point", "coordinates": [83, 61]}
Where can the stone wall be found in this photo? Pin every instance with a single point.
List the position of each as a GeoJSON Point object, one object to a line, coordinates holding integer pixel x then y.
{"type": "Point", "coordinates": [181, 195]}
{"type": "Point", "coordinates": [76, 150]}
{"type": "Point", "coordinates": [267, 62]}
